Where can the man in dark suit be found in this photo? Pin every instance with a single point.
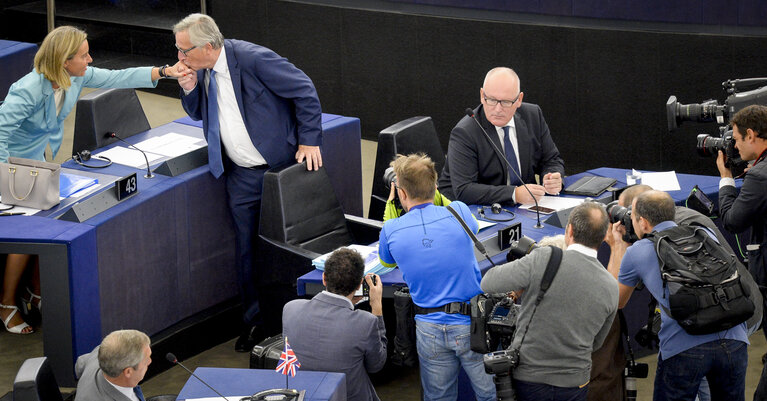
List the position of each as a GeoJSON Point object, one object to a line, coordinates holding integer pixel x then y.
{"type": "Point", "coordinates": [113, 370]}
{"type": "Point", "coordinates": [327, 334]}
{"type": "Point", "coordinates": [474, 172]}
{"type": "Point", "coordinates": [258, 111]}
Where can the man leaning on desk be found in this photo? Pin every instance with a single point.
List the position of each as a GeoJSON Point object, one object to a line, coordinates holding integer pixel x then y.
{"type": "Point", "coordinates": [474, 172]}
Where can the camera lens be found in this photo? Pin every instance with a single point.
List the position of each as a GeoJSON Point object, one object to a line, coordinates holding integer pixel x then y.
{"type": "Point", "coordinates": [389, 177]}
{"type": "Point", "coordinates": [709, 145]}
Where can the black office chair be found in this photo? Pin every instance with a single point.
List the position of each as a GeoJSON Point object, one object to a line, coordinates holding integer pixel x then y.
{"type": "Point", "coordinates": [107, 110]}
{"type": "Point", "coordinates": [416, 134]}
{"type": "Point", "coordinates": [301, 219]}
{"type": "Point", "coordinates": [35, 382]}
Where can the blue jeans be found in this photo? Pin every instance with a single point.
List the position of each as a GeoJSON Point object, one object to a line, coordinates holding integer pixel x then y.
{"type": "Point", "coordinates": [442, 350]}
{"type": "Point", "coordinates": [722, 362]}
{"type": "Point", "coordinates": [527, 391]}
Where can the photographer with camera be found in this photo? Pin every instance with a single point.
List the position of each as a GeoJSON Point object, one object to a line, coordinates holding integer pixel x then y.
{"type": "Point", "coordinates": [393, 207]}
{"type": "Point", "coordinates": [748, 209]}
{"type": "Point", "coordinates": [684, 358]}
{"type": "Point", "coordinates": [436, 257]}
{"type": "Point", "coordinates": [574, 316]}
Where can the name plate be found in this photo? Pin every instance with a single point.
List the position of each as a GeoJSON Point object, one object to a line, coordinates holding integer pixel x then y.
{"type": "Point", "coordinates": [508, 234]}
{"type": "Point", "coordinates": [126, 187]}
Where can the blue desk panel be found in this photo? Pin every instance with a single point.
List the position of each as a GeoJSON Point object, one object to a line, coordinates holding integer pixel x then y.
{"type": "Point", "coordinates": [319, 386]}
{"type": "Point", "coordinates": [16, 59]}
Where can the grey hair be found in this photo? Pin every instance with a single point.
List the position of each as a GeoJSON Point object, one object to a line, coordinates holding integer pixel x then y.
{"type": "Point", "coordinates": [589, 229]}
{"type": "Point", "coordinates": [553, 240]}
{"type": "Point", "coordinates": [202, 30]}
{"type": "Point", "coordinates": [497, 70]}
{"type": "Point", "coordinates": [122, 349]}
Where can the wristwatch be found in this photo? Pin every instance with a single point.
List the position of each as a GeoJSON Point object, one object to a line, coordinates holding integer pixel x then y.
{"type": "Point", "coordinates": [161, 71]}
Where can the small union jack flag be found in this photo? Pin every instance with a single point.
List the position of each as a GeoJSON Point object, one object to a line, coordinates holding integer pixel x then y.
{"type": "Point", "coordinates": [288, 361]}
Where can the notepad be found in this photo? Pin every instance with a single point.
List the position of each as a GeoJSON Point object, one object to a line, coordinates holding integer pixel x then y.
{"type": "Point", "coordinates": [590, 186]}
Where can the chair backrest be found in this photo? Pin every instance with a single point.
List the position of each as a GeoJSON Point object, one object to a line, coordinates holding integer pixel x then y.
{"type": "Point", "coordinates": [416, 134]}
{"type": "Point", "coordinates": [299, 207]}
{"type": "Point", "coordinates": [107, 110]}
{"type": "Point", "coordinates": [35, 382]}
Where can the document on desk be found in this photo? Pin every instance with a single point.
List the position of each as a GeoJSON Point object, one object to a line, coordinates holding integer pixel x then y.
{"type": "Point", "coordinates": [662, 181]}
{"type": "Point", "coordinates": [555, 202]}
{"type": "Point", "coordinates": [129, 156]}
{"type": "Point", "coordinates": [171, 144]}
{"type": "Point", "coordinates": [28, 211]}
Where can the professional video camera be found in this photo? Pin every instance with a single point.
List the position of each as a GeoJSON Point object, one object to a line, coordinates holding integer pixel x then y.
{"type": "Point", "coordinates": [617, 213]}
{"type": "Point", "coordinates": [711, 111]}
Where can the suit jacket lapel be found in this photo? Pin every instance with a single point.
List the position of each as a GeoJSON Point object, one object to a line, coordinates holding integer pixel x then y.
{"type": "Point", "coordinates": [523, 143]}
{"type": "Point", "coordinates": [234, 72]}
{"type": "Point", "coordinates": [493, 133]}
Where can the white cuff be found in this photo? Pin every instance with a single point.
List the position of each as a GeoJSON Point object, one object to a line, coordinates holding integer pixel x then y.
{"type": "Point", "coordinates": [725, 181]}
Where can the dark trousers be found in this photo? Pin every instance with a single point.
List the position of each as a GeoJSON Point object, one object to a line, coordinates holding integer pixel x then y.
{"type": "Point", "coordinates": [722, 362]}
{"type": "Point", "coordinates": [607, 364]}
{"type": "Point", "coordinates": [527, 391]}
{"type": "Point", "coordinates": [243, 188]}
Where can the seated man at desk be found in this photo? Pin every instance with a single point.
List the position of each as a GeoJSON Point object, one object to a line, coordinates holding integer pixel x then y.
{"type": "Point", "coordinates": [476, 171]}
{"type": "Point", "coordinates": [328, 335]}
{"type": "Point", "coordinates": [436, 257]}
{"type": "Point", "coordinates": [113, 370]}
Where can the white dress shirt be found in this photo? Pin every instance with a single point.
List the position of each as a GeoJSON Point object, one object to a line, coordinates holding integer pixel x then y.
{"type": "Point", "coordinates": [234, 135]}
{"type": "Point", "coordinates": [126, 391]}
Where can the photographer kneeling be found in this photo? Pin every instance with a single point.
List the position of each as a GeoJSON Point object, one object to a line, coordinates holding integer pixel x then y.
{"type": "Point", "coordinates": [571, 320]}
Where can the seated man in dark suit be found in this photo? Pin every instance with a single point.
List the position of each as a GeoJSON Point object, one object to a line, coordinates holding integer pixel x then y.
{"type": "Point", "coordinates": [113, 370]}
{"type": "Point", "coordinates": [474, 171]}
{"type": "Point", "coordinates": [328, 335]}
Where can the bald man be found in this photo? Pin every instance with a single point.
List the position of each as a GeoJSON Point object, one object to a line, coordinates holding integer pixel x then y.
{"type": "Point", "coordinates": [474, 172]}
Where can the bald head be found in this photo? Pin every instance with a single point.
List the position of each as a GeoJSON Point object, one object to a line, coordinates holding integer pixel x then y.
{"type": "Point", "coordinates": [502, 74]}
{"type": "Point", "coordinates": [500, 95]}
{"type": "Point", "coordinates": [654, 206]}
{"type": "Point", "coordinates": [627, 196]}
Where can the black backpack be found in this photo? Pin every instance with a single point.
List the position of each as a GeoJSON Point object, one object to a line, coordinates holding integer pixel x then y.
{"type": "Point", "coordinates": [706, 294]}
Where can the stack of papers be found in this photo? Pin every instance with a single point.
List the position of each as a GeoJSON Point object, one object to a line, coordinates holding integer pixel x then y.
{"type": "Point", "coordinates": [369, 254]}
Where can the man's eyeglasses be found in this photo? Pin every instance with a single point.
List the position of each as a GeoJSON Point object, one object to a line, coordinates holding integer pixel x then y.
{"type": "Point", "coordinates": [505, 103]}
{"type": "Point", "coordinates": [185, 51]}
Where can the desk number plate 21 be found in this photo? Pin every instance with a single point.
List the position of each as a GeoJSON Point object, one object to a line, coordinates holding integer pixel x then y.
{"type": "Point", "coordinates": [126, 186]}
{"type": "Point", "coordinates": [508, 234]}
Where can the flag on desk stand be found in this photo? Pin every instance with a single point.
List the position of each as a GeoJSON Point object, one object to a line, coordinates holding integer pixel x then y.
{"type": "Point", "coordinates": [288, 363]}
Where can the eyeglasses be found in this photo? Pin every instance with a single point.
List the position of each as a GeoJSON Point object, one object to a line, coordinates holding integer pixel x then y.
{"type": "Point", "coordinates": [505, 103]}
{"type": "Point", "coordinates": [185, 51]}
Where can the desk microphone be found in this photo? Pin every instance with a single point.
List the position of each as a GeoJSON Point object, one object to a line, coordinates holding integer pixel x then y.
{"type": "Point", "coordinates": [114, 135]}
{"type": "Point", "coordinates": [470, 113]}
{"type": "Point", "coordinates": [172, 359]}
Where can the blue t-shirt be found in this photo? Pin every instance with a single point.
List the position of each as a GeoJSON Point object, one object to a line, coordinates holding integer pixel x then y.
{"type": "Point", "coordinates": [436, 257]}
{"type": "Point", "coordinates": [641, 263]}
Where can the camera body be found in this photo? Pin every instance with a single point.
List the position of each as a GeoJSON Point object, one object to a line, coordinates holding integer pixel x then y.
{"type": "Point", "coordinates": [520, 248]}
{"type": "Point", "coordinates": [501, 362]}
{"type": "Point", "coordinates": [617, 213]}
{"type": "Point", "coordinates": [389, 177]}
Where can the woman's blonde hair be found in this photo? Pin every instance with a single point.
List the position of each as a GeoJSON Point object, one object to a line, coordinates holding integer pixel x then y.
{"type": "Point", "coordinates": [60, 45]}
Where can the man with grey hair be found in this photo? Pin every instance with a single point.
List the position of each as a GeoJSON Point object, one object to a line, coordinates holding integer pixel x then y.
{"type": "Point", "coordinates": [476, 171]}
{"type": "Point", "coordinates": [258, 111]}
{"type": "Point", "coordinates": [572, 318]}
{"type": "Point", "coordinates": [113, 370]}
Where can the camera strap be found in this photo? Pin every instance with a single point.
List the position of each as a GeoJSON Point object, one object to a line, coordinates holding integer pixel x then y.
{"type": "Point", "coordinates": [477, 242]}
{"type": "Point", "coordinates": [548, 276]}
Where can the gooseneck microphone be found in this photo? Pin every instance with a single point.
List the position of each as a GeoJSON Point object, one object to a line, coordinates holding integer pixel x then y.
{"type": "Point", "coordinates": [470, 113]}
{"type": "Point", "coordinates": [172, 359]}
{"type": "Point", "coordinates": [114, 135]}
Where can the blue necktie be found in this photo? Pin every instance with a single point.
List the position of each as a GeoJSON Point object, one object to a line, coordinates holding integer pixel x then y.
{"type": "Point", "coordinates": [139, 393]}
{"type": "Point", "coordinates": [511, 157]}
{"type": "Point", "coordinates": [215, 162]}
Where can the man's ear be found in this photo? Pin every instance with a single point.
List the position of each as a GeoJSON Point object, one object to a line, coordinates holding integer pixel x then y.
{"type": "Point", "coordinates": [323, 280]}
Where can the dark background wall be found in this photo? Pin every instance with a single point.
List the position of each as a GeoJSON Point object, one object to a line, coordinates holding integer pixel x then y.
{"type": "Point", "coordinates": [603, 90]}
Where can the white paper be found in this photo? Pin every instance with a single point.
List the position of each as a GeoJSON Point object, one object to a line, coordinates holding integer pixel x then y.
{"type": "Point", "coordinates": [555, 202]}
{"type": "Point", "coordinates": [485, 224]}
{"type": "Point", "coordinates": [171, 144]}
{"type": "Point", "coordinates": [662, 181]}
{"type": "Point", "coordinates": [129, 156]}
{"type": "Point", "coordinates": [18, 209]}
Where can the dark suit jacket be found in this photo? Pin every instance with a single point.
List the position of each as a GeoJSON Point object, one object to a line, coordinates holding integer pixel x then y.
{"type": "Point", "coordinates": [328, 335]}
{"type": "Point", "coordinates": [278, 102]}
{"type": "Point", "coordinates": [749, 208]}
{"type": "Point", "coordinates": [92, 386]}
{"type": "Point", "coordinates": [474, 172]}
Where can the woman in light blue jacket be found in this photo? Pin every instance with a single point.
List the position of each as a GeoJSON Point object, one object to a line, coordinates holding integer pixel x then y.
{"type": "Point", "coordinates": [31, 118]}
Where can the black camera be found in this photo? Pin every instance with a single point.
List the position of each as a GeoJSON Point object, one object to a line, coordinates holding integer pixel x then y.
{"type": "Point", "coordinates": [500, 364]}
{"type": "Point", "coordinates": [366, 287]}
{"type": "Point", "coordinates": [520, 248]}
{"type": "Point", "coordinates": [710, 145]}
{"type": "Point", "coordinates": [389, 177]}
{"type": "Point", "coordinates": [647, 336]}
{"type": "Point", "coordinates": [632, 372]}
{"type": "Point", "coordinates": [502, 322]}
{"type": "Point", "coordinates": [617, 213]}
